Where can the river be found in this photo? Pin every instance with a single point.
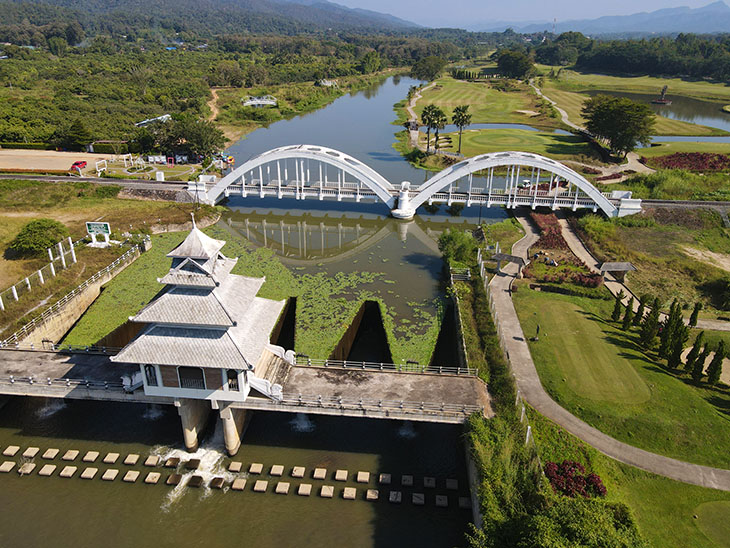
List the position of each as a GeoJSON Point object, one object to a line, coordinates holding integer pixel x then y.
{"type": "Point", "coordinates": [312, 237]}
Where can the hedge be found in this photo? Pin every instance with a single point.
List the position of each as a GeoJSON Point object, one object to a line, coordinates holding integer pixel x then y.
{"type": "Point", "coordinates": [28, 146]}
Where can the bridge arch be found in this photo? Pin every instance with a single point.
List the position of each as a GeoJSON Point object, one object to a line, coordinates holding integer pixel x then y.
{"type": "Point", "coordinates": [339, 160]}
{"type": "Point", "coordinates": [482, 162]}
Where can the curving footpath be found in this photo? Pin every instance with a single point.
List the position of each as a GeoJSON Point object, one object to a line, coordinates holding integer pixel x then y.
{"type": "Point", "coordinates": [532, 391]}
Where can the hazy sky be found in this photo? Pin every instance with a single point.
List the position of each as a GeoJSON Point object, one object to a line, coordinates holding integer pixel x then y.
{"type": "Point", "coordinates": [470, 12]}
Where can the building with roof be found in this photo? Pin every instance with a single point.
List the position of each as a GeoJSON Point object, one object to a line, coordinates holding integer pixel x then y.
{"type": "Point", "coordinates": [618, 270]}
{"type": "Point", "coordinates": [206, 338]}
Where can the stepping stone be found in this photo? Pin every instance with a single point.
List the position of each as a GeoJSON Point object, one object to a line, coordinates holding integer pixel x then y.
{"type": "Point", "coordinates": [152, 460]}
{"type": "Point", "coordinates": [429, 482]}
{"type": "Point", "coordinates": [50, 454]}
{"type": "Point", "coordinates": [172, 462]}
{"type": "Point", "coordinates": [372, 494]}
{"type": "Point", "coordinates": [260, 486]}
{"type": "Point", "coordinates": [419, 499]}
{"type": "Point", "coordinates": [195, 481]}
{"type": "Point", "coordinates": [305, 489]}
{"type": "Point", "coordinates": [239, 484]}
{"type": "Point", "coordinates": [131, 459]}
{"type": "Point", "coordinates": [110, 475]}
{"type": "Point", "coordinates": [30, 452]}
{"type": "Point", "coordinates": [298, 472]}
{"type": "Point", "coordinates": [131, 476]}
{"type": "Point", "coordinates": [7, 466]}
{"type": "Point", "coordinates": [255, 468]}
{"type": "Point", "coordinates": [442, 501]}
{"type": "Point", "coordinates": [47, 470]}
{"type": "Point", "coordinates": [235, 466]}
{"type": "Point", "coordinates": [327, 492]}
{"type": "Point", "coordinates": [68, 471]}
{"type": "Point", "coordinates": [26, 468]}
{"type": "Point", "coordinates": [277, 470]}
{"type": "Point", "coordinates": [173, 479]}
{"type": "Point", "coordinates": [395, 497]}
{"type": "Point", "coordinates": [111, 458]}
{"type": "Point", "coordinates": [11, 450]}
{"type": "Point", "coordinates": [465, 503]}
{"type": "Point", "coordinates": [89, 473]}
{"type": "Point", "coordinates": [192, 464]}
{"type": "Point", "coordinates": [91, 456]}
{"type": "Point", "coordinates": [70, 455]}
{"type": "Point", "coordinates": [407, 481]}
{"type": "Point", "coordinates": [282, 488]}
{"type": "Point", "coordinates": [350, 493]}
{"type": "Point", "coordinates": [452, 484]}
{"type": "Point", "coordinates": [384, 479]}
{"type": "Point", "coordinates": [152, 478]}
{"type": "Point", "coordinates": [341, 475]}
{"type": "Point", "coordinates": [319, 473]}
{"type": "Point", "coordinates": [217, 483]}
{"type": "Point", "coordinates": [363, 477]}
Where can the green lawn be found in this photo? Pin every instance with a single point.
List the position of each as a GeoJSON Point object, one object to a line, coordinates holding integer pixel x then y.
{"type": "Point", "coordinates": [662, 149]}
{"type": "Point", "coordinates": [663, 508]}
{"type": "Point", "coordinates": [598, 372]}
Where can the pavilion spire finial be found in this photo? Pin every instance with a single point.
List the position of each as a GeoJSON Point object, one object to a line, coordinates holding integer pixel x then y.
{"type": "Point", "coordinates": [192, 214]}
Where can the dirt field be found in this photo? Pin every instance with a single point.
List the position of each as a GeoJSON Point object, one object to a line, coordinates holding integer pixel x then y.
{"type": "Point", "coordinates": [46, 159]}
{"type": "Point", "coordinates": [720, 260]}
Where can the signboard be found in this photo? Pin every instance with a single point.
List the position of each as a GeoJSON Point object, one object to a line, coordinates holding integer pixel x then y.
{"type": "Point", "coordinates": [98, 228]}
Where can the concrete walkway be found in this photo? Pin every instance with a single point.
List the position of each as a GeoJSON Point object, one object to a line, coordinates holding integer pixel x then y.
{"type": "Point", "coordinates": [413, 117]}
{"type": "Point", "coordinates": [531, 389]}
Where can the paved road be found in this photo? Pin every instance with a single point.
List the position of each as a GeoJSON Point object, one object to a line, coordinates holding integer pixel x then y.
{"type": "Point", "coordinates": [529, 385]}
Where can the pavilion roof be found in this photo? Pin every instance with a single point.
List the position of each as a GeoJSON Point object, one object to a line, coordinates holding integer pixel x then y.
{"type": "Point", "coordinates": [197, 245]}
{"type": "Point", "coordinates": [617, 267]}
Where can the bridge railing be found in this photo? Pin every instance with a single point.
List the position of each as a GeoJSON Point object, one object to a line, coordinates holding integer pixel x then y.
{"type": "Point", "coordinates": [304, 361]}
{"type": "Point", "coordinates": [60, 383]}
{"type": "Point", "coordinates": [60, 348]}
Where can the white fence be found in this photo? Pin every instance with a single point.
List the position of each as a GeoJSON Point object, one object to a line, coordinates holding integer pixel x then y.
{"type": "Point", "coordinates": [54, 309]}
{"type": "Point", "coordinates": [60, 258]}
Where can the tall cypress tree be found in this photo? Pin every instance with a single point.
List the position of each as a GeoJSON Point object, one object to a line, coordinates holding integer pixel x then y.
{"type": "Point", "coordinates": [628, 315]}
{"type": "Point", "coordinates": [640, 311]}
{"type": "Point", "coordinates": [618, 306]}
{"type": "Point", "coordinates": [699, 365]}
{"type": "Point", "coordinates": [714, 370]}
{"type": "Point", "coordinates": [675, 355]}
{"type": "Point", "coordinates": [695, 314]}
{"type": "Point", "coordinates": [670, 329]}
{"type": "Point", "coordinates": [695, 352]}
{"type": "Point", "coordinates": [650, 326]}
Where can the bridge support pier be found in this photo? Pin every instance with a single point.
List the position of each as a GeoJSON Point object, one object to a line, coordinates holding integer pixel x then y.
{"type": "Point", "coordinates": [404, 209]}
{"type": "Point", "coordinates": [234, 421]}
{"type": "Point", "coordinates": [194, 416]}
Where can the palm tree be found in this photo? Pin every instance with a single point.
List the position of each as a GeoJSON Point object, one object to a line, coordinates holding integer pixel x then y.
{"type": "Point", "coordinates": [439, 122]}
{"type": "Point", "coordinates": [461, 119]}
{"type": "Point", "coordinates": [427, 120]}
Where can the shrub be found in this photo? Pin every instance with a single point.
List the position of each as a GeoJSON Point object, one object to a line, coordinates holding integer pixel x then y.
{"type": "Point", "coordinates": [37, 236]}
{"type": "Point", "coordinates": [457, 246]}
{"type": "Point", "coordinates": [569, 478]}
{"type": "Point", "coordinates": [107, 191]}
{"type": "Point", "coordinates": [551, 235]}
{"type": "Point", "coordinates": [693, 161]}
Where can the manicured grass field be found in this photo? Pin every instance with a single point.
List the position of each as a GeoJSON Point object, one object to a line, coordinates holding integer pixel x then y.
{"type": "Point", "coordinates": [662, 149]}
{"type": "Point", "coordinates": [663, 508]}
{"type": "Point", "coordinates": [599, 373]}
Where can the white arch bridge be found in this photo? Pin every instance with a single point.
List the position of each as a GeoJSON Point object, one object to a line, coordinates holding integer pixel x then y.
{"type": "Point", "coordinates": [510, 179]}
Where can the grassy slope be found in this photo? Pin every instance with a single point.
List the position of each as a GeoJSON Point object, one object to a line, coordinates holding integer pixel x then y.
{"type": "Point", "coordinates": [678, 419]}
{"type": "Point", "coordinates": [663, 508]}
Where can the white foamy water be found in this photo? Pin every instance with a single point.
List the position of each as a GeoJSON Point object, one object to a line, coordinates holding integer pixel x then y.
{"type": "Point", "coordinates": [50, 408]}
{"type": "Point", "coordinates": [153, 412]}
{"type": "Point", "coordinates": [407, 431]}
{"type": "Point", "coordinates": [211, 455]}
{"type": "Point", "coordinates": [302, 423]}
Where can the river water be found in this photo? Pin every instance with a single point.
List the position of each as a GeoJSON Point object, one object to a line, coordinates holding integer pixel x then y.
{"type": "Point", "coordinates": [309, 237]}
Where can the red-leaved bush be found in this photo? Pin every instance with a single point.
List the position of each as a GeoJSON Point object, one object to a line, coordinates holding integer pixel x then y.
{"type": "Point", "coordinates": [569, 478]}
{"type": "Point", "coordinates": [693, 161]}
{"type": "Point", "coordinates": [551, 236]}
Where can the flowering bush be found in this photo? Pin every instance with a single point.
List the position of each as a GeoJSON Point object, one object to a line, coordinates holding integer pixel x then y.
{"type": "Point", "coordinates": [610, 177]}
{"type": "Point", "coordinates": [693, 161]}
{"type": "Point", "coordinates": [551, 236]}
{"type": "Point", "coordinates": [569, 478]}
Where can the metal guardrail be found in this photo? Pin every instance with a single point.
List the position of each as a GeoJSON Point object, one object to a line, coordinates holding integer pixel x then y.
{"type": "Point", "coordinates": [60, 348]}
{"type": "Point", "coordinates": [84, 383]}
{"type": "Point", "coordinates": [303, 361]}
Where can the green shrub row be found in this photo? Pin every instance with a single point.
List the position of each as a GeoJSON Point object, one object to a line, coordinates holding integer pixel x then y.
{"type": "Point", "coordinates": [27, 146]}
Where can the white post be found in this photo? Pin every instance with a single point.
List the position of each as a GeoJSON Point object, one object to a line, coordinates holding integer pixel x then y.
{"type": "Point", "coordinates": [489, 182]}
{"type": "Point", "coordinates": [2, 304]}
{"type": "Point", "coordinates": [321, 195]}
{"type": "Point", "coordinates": [27, 282]}
{"type": "Point", "coordinates": [278, 174]}
{"type": "Point", "coordinates": [50, 254]}
{"type": "Point", "coordinates": [261, 182]}
{"type": "Point", "coordinates": [468, 194]}
{"type": "Point", "coordinates": [243, 185]}
{"type": "Point", "coordinates": [14, 292]}
{"type": "Point", "coordinates": [339, 185]}
{"type": "Point", "coordinates": [537, 184]}
{"type": "Point", "coordinates": [516, 186]}
{"type": "Point", "coordinates": [53, 270]}
{"type": "Point", "coordinates": [106, 239]}
{"type": "Point", "coordinates": [73, 251]}
{"type": "Point", "coordinates": [60, 253]}
{"type": "Point", "coordinates": [557, 191]}
{"type": "Point", "coordinates": [305, 178]}
{"type": "Point", "coordinates": [296, 181]}
{"type": "Point", "coordinates": [93, 239]}
{"type": "Point", "coordinates": [40, 277]}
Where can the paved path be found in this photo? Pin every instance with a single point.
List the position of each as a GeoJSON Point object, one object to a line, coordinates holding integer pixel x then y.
{"type": "Point", "coordinates": [413, 116]}
{"type": "Point", "coordinates": [529, 385]}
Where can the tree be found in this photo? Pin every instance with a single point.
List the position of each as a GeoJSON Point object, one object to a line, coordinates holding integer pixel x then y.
{"type": "Point", "coordinates": [695, 352]}
{"type": "Point", "coordinates": [672, 328]}
{"type": "Point", "coordinates": [37, 236]}
{"type": "Point", "coordinates": [650, 326]}
{"type": "Point", "coordinates": [699, 365]}
{"type": "Point", "coordinates": [675, 355]}
{"type": "Point", "coordinates": [714, 370]}
{"type": "Point", "coordinates": [370, 62]}
{"type": "Point", "coordinates": [623, 123]}
{"type": "Point", "coordinates": [639, 316]}
{"type": "Point", "coordinates": [428, 68]}
{"type": "Point", "coordinates": [74, 137]}
{"type": "Point", "coordinates": [57, 46]}
{"type": "Point", "coordinates": [200, 137]}
{"type": "Point", "coordinates": [457, 245]}
{"type": "Point", "coordinates": [695, 314]}
{"type": "Point", "coordinates": [461, 119]}
{"type": "Point", "coordinates": [439, 122]}
{"type": "Point", "coordinates": [618, 306]}
{"type": "Point", "coordinates": [628, 315]}
{"type": "Point", "coordinates": [427, 118]}
{"type": "Point", "coordinates": [514, 64]}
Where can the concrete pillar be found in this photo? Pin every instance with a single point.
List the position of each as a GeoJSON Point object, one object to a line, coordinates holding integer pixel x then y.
{"type": "Point", "coordinates": [73, 251]}
{"type": "Point", "coordinates": [193, 415]}
{"type": "Point", "coordinates": [234, 421]}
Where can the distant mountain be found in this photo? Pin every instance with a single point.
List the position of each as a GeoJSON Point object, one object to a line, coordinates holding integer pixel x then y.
{"type": "Point", "coordinates": [369, 15]}
{"type": "Point", "coordinates": [712, 18]}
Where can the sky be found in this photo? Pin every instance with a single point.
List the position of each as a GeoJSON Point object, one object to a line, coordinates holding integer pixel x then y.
{"type": "Point", "coordinates": [471, 13]}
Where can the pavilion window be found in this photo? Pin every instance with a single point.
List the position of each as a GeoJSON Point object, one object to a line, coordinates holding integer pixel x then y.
{"type": "Point", "coordinates": [232, 378]}
{"type": "Point", "coordinates": [150, 373]}
{"type": "Point", "coordinates": [191, 377]}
